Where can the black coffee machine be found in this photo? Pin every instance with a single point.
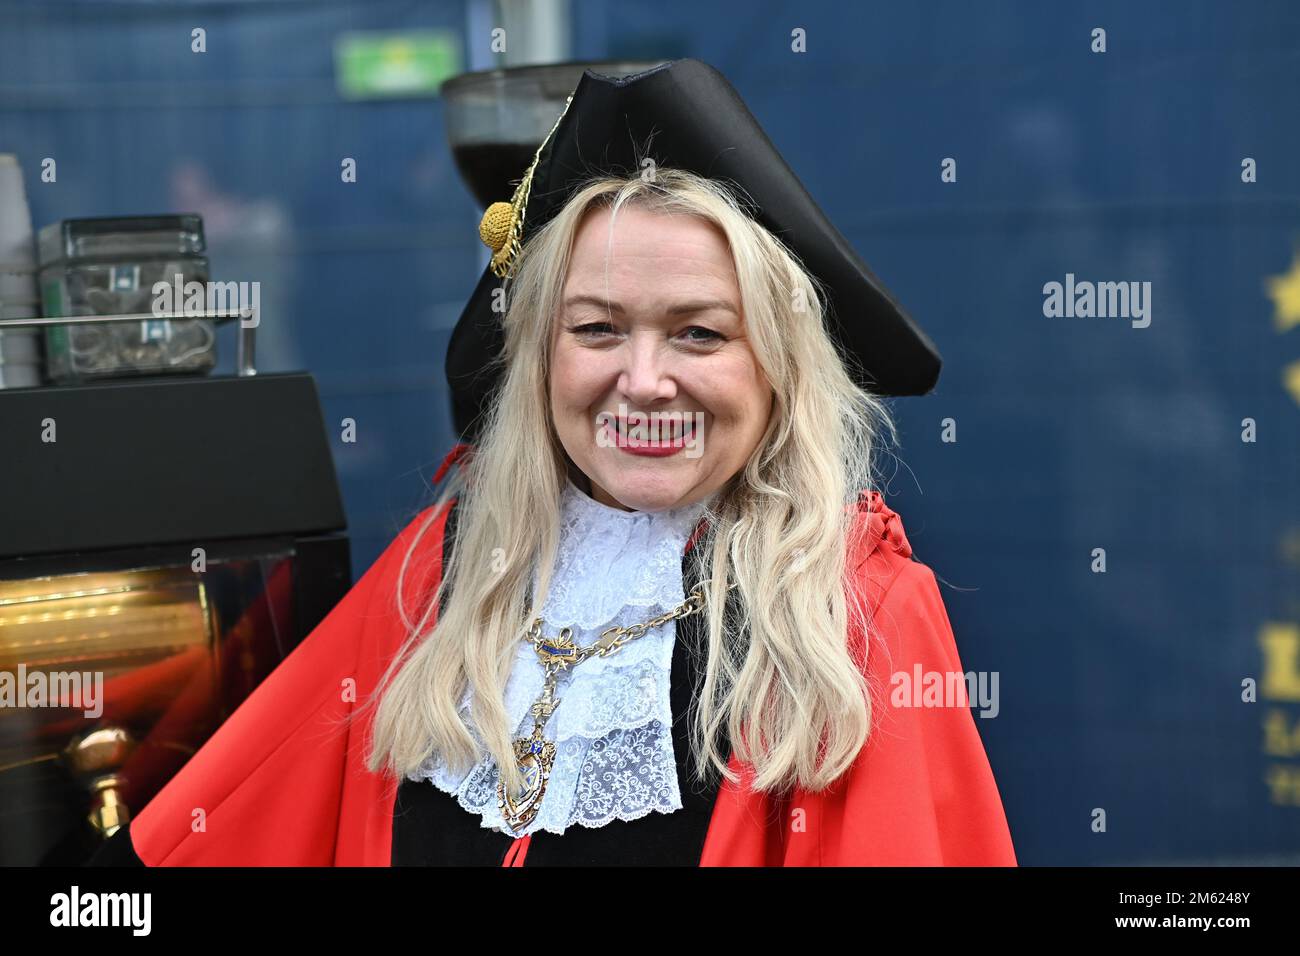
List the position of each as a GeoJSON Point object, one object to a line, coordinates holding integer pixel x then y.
{"type": "Point", "coordinates": [164, 543]}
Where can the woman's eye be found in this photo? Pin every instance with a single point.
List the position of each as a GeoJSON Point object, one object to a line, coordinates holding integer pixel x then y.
{"type": "Point", "coordinates": [591, 328]}
{"type": "Point", "coordinates": [696, 334]}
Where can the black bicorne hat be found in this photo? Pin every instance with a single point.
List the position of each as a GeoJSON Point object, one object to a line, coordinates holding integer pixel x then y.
{"type": "Point", "coordinates": [693, 119]}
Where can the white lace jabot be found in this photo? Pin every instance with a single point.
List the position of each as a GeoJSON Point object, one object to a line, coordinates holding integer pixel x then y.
{"type": "Point", "coordinates": [613, 727]}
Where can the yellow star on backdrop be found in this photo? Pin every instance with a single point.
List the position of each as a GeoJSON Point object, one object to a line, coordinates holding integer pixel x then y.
{"type": "Point", "coordinates": [1284, 290]}
{"type": "Point", "coordinates": [1291, 380]}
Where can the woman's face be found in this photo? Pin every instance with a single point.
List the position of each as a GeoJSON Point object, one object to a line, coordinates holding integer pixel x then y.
{"type": "Point", "coordinates": [655, 392]}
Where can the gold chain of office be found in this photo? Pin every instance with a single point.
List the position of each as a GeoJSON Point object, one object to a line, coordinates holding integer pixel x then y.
{"type": "Point", "coordinates": [534, 754]}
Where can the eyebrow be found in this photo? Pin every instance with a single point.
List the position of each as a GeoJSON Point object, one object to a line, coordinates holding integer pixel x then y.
{"type": "Point", "coordinates": [682, 308]}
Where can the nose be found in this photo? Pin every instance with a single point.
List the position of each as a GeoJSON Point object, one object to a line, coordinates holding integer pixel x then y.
{"type": "Point", "coordinates": [645, 377]}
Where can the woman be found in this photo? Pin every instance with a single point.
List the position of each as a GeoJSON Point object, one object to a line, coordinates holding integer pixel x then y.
{"type": "Point", "coordinates": [604, 645]}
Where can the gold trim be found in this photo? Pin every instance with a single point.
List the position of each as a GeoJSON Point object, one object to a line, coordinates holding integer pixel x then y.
{"type": "Point", "coordinates": [502, 238]}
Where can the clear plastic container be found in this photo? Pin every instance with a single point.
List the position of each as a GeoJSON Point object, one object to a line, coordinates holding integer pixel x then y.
{"type": "Point", "coordinates": [109, 267]}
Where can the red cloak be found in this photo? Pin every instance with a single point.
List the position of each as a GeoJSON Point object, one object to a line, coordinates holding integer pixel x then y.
{"type": "Point", "coordinates": [283, 781]}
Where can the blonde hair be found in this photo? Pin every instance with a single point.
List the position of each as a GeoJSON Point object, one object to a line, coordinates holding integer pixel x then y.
{"type": "Point", "coordinates": [786, 685]}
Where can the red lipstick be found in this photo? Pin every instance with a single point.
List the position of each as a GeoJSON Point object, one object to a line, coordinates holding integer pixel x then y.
{"type": "Point", "coordinates": [660, 448]}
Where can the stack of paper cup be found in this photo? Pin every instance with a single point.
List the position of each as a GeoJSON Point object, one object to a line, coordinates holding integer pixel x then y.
{"type": "Point", "coordinates": [20, 353]}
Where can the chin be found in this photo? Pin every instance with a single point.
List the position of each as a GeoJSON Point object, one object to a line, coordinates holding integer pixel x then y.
{"type": "Point", "coordinates": [646, 492]}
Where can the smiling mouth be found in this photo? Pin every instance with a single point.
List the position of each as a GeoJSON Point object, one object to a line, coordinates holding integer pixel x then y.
{"type": "Point", "coordinates": [650, 433]}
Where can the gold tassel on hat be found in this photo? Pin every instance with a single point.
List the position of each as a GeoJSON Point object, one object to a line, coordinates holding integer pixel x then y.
{"type": "Point", "coordinates": [502, 225]}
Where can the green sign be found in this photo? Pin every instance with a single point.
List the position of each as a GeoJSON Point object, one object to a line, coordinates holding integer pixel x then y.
{"type": "Point", "coordinates": [381, 65]}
